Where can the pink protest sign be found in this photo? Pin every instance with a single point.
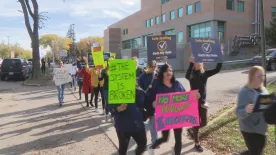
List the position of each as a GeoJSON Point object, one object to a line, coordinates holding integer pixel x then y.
{"type": "Point", "coordinates": [176, 110]}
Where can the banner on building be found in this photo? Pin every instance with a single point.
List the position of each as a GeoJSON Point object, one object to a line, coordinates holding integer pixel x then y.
{"type": "Point", "coordinates": [160, 46]}
{"type": "Point", "coordinates": [206, 50]}
{"type": "Point", "coordinates": [176, 110]}
{"type": "Point", "coordinates": [61, 76]}
{"type": "Point", "coordinates": [121, 81]}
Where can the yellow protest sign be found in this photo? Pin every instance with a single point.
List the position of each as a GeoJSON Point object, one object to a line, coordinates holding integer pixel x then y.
{"type": "Point", "coordinates": [98, 58]}
{"type": "Point", "coordinates": [121, 81]}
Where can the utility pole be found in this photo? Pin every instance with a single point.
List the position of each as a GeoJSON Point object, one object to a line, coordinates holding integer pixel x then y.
{"type": "Point", "coordinates": [262, 32]}
{"type": "Point", "coordinates": [9, 45]}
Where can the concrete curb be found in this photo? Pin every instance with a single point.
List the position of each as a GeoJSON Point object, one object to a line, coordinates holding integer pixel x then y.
{"type": "Point", "coordinates": [269, 83]}
{"type": "Point", "coordinates": [35, 85]}
{"type": "Point", "coordinates": [220, 116]}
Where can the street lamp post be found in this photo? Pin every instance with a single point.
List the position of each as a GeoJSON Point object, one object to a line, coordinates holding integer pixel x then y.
{"type": "Point", "coordinates": [262, 33]}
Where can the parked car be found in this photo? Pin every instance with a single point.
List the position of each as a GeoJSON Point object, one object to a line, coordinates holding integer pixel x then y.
{"type": "Point", "coordinates": [270, 59]}
{"type": "Point", "coordinates": [143, 63]}
{"type": "Point", "coordinates": [14, 67]}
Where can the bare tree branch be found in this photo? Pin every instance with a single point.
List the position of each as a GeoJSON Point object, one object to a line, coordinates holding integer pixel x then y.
{"type": "Point", "coordinates": [29, 8]}
{"type": "Point", "coordinates": [26, 17]}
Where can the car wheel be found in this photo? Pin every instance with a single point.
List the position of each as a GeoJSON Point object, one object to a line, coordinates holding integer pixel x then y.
{"type": "Point", "coordinates": [3, 78]}
{"type": "Point", "coordinates": [273, 66]}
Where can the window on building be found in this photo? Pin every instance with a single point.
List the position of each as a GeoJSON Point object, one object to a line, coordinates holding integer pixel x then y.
{"type": "Point", "coordinates": [156, 20]}
{"type": "Point", "coordinates": [180, 12]}
{"type": "Point", "coordinates": [135, 43]}
{"type": "Point", "coordinates": [163, 18]}
{"type": "Point", "coordinates": [126, 31]}
{"type": "Point", "coordinates": [180, 37]}
{"type": "Point", "coordinates": [197, 7]}
{"type": "Point", "coordinates": [230, 5]}
{"type": "Point", "coordinates": [151, 21]}
{"type": "Point", "coordinates": [240, 6]}
{"type": "Point", "coordinates": [273, 12]}
{"type": "Point", "coordinates": [172, 15]}
{"type": "Point", "coordinates": [169, 32]}
{"type": "Point", "coordinates": [221, 30]}
{"type": "Point", "coordinates": [189, 9]}
{"type": "Point", "coordinates": [145, 39]}
{"type": "Point", "coordinates": [147, 23]}
{"type": "Point", "coordinates": [202, 30]}
{"type": "Point", "coordinates": [126, 44]}
{"type": "Point", "coordinates": [165, 1]}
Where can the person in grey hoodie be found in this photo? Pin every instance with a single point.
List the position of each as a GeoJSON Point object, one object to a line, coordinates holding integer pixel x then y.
{"type": "Point", "coordinates": [252, 124]}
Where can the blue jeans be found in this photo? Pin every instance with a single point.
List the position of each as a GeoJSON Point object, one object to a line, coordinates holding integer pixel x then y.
{"type": "Point", "coordinates": [152, 128]}
{"type": "Point", "coordinates": [105, 93]}
{"type": "Point", "coordinates": [60, 93]}
{"type": "Point", "coordinates": [74, 81]}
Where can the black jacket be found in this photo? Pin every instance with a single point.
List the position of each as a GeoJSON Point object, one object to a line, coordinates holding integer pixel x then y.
{"type": "Point", "coordinates": [198, 80]}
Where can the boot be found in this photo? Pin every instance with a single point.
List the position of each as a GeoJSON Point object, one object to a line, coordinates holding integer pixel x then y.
{"type": "Point", "coordinates": [92, 105]}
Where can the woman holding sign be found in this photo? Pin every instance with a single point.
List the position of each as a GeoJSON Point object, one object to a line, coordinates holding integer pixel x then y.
{"type": "Point", "coordinates": [198, 77]}
{"type": "Point", "coordinates": [146, 81]}
{"type": "Point", "coordinates": [252, 124]}
{"type": "Point", "coordinates": [129, 123]}
{"type": "Point", "coordinates": [168, 84]}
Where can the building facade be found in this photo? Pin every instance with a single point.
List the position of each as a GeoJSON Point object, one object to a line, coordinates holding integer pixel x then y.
{"type": "Point", "coordinates": [221, 19]}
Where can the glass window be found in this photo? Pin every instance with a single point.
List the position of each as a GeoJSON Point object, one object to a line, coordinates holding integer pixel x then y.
{"type": "Point", "coordinates": [180, 12]}
{"type": "Point", "coordinates": [163, 18]}
{"type": "Point", "coordinates": [230, 4]}
{"type": "Point", "coordinates": [202, 30]}
{"type": "Point", "coordinates": [172, 15]}
{"type": "Point", "coordinates": [136, 43]}
{"type": "Point", "coordinates": [165, 1]}
{"type": "Point", "coordinates": [126, 31]}
{"type": "Point", "coordinates": [147, 23]}
{"type": "Point", "coordinates": [151, 21]}
{"type": "Point", "coordinates": [221, 29]}
{"type": "Point", "coordinates": [189, 9]}
{"type": "Point", "coordinates": [197, 7]}
{"type": "Point", "coordinates": [180, 37]}
{"type": "Point", "coordinates": [156, 20]}
{"type": "Point", "coordinates": [273, 12]}
{"type": "Point", "coordinates": [240, 6]}
{"type": "Point", "coordinates": [126, 44]}
{"type": "Point", "coordinates": [169, 32]}
{"type": "Point", "coordinates": [145, 39]}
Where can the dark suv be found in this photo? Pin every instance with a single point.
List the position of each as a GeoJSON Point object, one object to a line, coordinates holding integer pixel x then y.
{"type": "Point", "coordinates": [270, 59]}
{"type": "Point", "coordinates": [14, 67]}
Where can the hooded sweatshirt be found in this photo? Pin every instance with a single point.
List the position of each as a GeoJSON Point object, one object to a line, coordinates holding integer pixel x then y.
{"type": "Point", "coordinates": [130, 120]}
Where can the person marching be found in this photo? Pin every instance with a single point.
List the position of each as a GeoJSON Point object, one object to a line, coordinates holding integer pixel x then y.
{"type": "Point", "coordinates": [86, 86]}
{"type": "Point", "coordinates": [60, 88]}
{"type": "Point", "coordinates": [104, 77]}
{"type": "Point", "coordinates": [73, 71]}
{"type": "Point", "coordinates": [79, 76]}
{"type": "Point", "coordinates": [167, 84]}
{"type": "Point", "coordinates": [129, 123]}
{"type": "Point", "coordinates": [139, 71]}
{"type": "Point", "coordinates": [146, 81]}
{"type": "Point", "coordinates": [198, 77]}
{"type": "Point", "coordinates": [252, 124]}
{"type": "Point", "coordinates": [96, 84]}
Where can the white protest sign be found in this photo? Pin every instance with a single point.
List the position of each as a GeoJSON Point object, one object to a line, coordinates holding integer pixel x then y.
{"type": "Point", "coordinates": [69, 67]}
{"type": "Point", "coordinates": [73, 70]}
{"type": "Point", "coordinates": [61, 76]}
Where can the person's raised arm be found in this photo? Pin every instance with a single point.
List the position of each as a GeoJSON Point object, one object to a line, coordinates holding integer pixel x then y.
{"type": "Point", "coordinates": [212, 72]}
{"type": "Point", "coordinates": [189, 71]}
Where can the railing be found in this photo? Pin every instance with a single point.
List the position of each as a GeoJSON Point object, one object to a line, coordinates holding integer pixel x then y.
{"type": "Point", "coordinates": [237, 61]}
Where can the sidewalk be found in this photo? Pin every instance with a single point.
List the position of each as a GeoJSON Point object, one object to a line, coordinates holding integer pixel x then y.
{"type": "Point", "coordinates": [165, 149]}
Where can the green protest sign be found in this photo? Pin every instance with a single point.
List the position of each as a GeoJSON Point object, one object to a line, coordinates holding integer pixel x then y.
{"type": "Point", "coordinates": [121, 81]}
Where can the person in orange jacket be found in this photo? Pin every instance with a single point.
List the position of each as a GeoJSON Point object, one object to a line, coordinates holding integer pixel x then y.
{"type": "Point", "coordinates": [96, 84]}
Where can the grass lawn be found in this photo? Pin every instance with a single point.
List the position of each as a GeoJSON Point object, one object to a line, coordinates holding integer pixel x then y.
{"type": "Point", "coordinates": [224, 136]}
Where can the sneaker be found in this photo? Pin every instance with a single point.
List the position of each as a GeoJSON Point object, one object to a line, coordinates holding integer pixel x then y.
{"type": "Point", "coordinates": [103, 112]}
{"type": "Point", "coordinates": [96, 110]}
{"type": "Point", "coordinates": [198, 148]}
{"type": "Point", "coordinates": [150, 151]}
{"type": "Point", "coordinates": [60, 104]}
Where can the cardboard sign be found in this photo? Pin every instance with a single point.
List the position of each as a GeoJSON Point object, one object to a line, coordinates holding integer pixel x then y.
{"type": "Point", "coordinates": [206, 50]}
{"type": "Point", "coordinates": [98, 57]}
{"type": "Point", "coordinates": [121, 81]}
{"type": "Point", "coordinates": [263, 102]}
{"type": "Point", "coordinates": [61, 76]}
{"type": "Point", "coordinates": [160, 46]}
{"type": "Point", "coordinates": [176, 110]}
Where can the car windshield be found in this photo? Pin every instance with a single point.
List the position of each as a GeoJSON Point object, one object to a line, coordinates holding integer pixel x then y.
{"type": "Point", "coordinates": [9, 62]}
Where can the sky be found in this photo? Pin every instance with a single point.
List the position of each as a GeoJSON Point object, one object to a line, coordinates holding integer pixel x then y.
{"type": "Point", "coordinates": [91, 18]}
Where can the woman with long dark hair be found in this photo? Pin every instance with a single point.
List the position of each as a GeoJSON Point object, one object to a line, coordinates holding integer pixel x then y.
{"type": "Point", "coordinates": [167, 84]}
{"type": "Point", "coordinates": [198, 77]}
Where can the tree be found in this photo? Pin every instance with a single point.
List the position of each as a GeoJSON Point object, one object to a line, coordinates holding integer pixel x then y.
{"type": "Point", "coordinates": [85, 43]}
{"type": "Point", "coordinates": [19, 52]}
{"type": "Point", "coordinates": [270, 33]}
{"type": "Point", "coordinates": [4, 51]}
{"type": "Point", "coordinates": [55, 42]}
{"type": "Point", "coordinates": [33, 13]}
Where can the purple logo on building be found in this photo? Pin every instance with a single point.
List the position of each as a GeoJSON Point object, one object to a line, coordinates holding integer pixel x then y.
{"type": "Point", "coordinates": [206, 50]}
{"type": "Point", "coordinates": [161, 46]}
